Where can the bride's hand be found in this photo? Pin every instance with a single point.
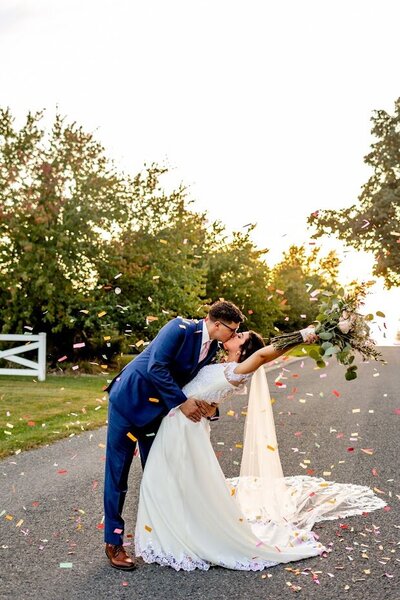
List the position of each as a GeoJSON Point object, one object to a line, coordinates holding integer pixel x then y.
{"type": "Point", "coordinates": [308, 334]}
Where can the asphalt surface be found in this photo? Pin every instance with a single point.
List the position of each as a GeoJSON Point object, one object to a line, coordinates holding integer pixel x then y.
{"type": "Point", "coordinates": [349, 429]}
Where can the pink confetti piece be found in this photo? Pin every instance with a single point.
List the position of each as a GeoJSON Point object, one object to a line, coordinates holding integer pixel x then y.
{"type": "Point", "coordinates": [79, 345]}
{"type": "Point", "coordinates": [62, 358]}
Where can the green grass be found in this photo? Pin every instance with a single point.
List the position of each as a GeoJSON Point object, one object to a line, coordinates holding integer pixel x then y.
{"type": "Point", "coordinates": [42, 412]}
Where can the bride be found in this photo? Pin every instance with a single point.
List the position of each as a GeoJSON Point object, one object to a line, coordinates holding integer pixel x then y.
{"type": "Point", "coordinates": [190, 516]}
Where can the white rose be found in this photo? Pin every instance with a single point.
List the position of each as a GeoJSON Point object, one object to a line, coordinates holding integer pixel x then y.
{"type": "Point", "coordinates": [344, 325]}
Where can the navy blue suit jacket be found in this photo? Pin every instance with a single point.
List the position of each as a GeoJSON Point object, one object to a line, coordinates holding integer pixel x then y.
{"type": "Point", "coordinates": [159, 372]}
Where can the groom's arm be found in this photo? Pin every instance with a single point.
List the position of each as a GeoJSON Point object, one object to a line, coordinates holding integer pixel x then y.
{"type": "Point", "coordinates": [163, 352]}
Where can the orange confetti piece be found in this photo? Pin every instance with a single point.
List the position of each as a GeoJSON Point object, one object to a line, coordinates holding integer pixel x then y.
{"type": "Point", "coordinates": [156, 400]}
{"type": "Point", "coordinates": [336, 393]}
{"type": "Point", "coordinates": [131, 436]}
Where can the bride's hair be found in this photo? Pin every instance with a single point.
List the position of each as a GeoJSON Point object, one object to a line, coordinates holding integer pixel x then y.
{"type": "Point", "coordinates": [253, 343]}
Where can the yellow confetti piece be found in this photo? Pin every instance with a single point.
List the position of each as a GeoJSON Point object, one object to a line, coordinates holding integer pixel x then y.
{"type": "Point", "coordinates": [323, 484]}
{"type": "Point", "coordinates": [244, 413]}
{"type": "Point", "coordinates": [271, 448]}
{"type": "Point", "coordinates": [238, 445]}
{"type": "Point", "coordinates": [131, 436]}
{"type": "Point", "coordinates": [378, 491]}
{"type": "Point", "coordinates": [81, 511]}
{"type": "Point", "coordinates": [163, 241]}
{"type": "Point", "coordinates": [106, 338]}
{"type": "Point", "coordinates": [147, 528]}
{"type": "Point", "coordinates": [19, 523]}
{"type": "Point", "coordinates": [9, 517]}
{"type": "Point", "coordinates": [231, 413]}
{"type": "Point", "coordinates": [233, 491]}
{"type": "Point", "coordinates": [156, 400]}
{"type": "Point", "coordinates": [139, 343]}
{"type": "Point", "coordinates": [102, 313]}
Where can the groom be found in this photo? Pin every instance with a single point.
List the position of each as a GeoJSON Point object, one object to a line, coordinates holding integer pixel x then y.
{"type": "Point", "coordinates": [144, 392]}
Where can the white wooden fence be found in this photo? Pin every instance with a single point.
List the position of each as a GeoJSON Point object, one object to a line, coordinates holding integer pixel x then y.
{"type": "Point", "coordinates": [32, 342]}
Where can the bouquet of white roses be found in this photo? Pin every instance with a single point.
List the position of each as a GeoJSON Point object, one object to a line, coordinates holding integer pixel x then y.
{"type": "Point", "coordinates": [341, 331]}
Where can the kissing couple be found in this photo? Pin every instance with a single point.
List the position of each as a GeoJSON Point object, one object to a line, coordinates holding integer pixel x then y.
{"type": "Point", "coordinates": [189, 515]}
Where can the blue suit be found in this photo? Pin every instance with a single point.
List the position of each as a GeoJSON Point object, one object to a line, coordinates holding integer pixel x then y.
{"type": "Point", "coordinates": [140, 396]}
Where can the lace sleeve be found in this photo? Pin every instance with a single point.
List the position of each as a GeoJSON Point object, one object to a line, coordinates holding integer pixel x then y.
{"type": "Point", "coordinates": [235, 378]}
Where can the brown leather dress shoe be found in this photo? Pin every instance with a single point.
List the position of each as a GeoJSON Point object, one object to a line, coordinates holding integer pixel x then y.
{"type": "Point", "coordinates": [119, 558]}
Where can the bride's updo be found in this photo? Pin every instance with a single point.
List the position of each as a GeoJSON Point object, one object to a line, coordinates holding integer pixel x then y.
{"type": "Point", "coordinates": [254, 342]}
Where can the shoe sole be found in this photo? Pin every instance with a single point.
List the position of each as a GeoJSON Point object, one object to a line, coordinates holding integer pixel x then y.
{"type": "Point", "coordinates": [132, 568]}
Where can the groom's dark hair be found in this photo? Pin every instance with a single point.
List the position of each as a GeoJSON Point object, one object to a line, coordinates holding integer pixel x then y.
{"type": "Point", "coordinates": [226, 311]}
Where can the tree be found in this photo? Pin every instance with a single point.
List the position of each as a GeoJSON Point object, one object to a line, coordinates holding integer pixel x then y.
{"type": "Point", "coordinates": [373, 224]}
{"type": "Point", "coordinates": [60, 201]}
{"type": "Point", "coordinates": [297, 282]}
{"type": "Point", "coordinates": [158, 254]}
{"type": "Point", "coordinates": [238, 272]}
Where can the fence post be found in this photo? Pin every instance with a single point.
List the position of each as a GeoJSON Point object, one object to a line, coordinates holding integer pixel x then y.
{"type": "Point", "coordinates": [42, 357]}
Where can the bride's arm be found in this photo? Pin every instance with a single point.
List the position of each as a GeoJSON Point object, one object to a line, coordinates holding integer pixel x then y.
{"type": "Point", "coordinates": [268, 353]}
{"type": "Point", "coordinates": [262, 356]}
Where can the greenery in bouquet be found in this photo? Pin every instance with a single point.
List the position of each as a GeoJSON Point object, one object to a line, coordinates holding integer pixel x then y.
{"type": "Point", "coordinates": [342, 330]}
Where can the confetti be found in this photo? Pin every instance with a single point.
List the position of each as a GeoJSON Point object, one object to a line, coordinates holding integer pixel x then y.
{"type": "Point", "coordinates": [79, 345]}
{"type": "Point", "coordinates": [336, 393]}
{"type": "Point", "coordinates": [66, 565]}
{"type": "Point", "coordinates": [101, 313]}
{"type": "Point", "coordinates": [147, 528]}
{"type": "Point", "coordinates": [131, 436]}
{"type": "Point", "coordinates": [155, 400]}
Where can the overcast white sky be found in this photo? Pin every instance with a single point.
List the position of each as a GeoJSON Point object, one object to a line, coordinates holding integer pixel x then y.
{"type": "Point", "coordinates": [262, 108]}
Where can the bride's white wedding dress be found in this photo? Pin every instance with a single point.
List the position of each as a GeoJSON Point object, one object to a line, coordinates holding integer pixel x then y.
{"type": "Point", "coordinates": [190, 516]}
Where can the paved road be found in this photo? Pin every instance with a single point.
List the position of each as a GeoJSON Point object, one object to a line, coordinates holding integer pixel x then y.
{"type": "Point", "coordinates": [57, 551]}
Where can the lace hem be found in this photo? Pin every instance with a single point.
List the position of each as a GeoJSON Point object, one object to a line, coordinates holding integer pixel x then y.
{"type": "Point", "coordinates": [187, 563]}
{"type": "Point", "coordinates": [315, 500]}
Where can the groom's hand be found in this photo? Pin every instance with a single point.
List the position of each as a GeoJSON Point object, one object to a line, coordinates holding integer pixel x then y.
{"type": "Point", "coordinates": [191, 410]}
{"type": "Point", "coordinates": [207, 410]}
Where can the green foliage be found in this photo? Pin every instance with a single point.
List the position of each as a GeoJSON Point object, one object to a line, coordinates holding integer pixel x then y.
{"type": "Point", "coordinates": [373, 223]}
{"type": "Point", "coordinates": [159, 253]}
{"type": "Point", "coordinates": [299, 276]}
{"type": "Point", "coordinates": [238, 272]}
{"type": "Point", "coordinates": [60, 200]}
